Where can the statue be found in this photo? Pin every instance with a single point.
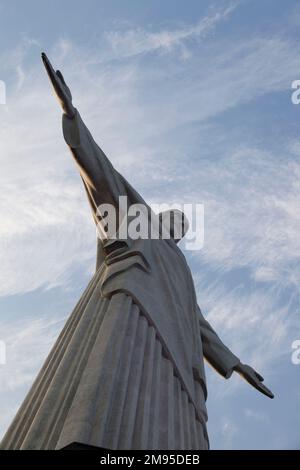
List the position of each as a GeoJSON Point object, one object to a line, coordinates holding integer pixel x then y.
{"type": "Point", "coordinates": [127, 370]}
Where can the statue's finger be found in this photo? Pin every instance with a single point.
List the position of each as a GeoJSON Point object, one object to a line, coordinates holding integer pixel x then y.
{"type": "Point", "coordinates": [54, 78]}
{"type": "Point", "coordinates": [66, 88]}
{"type": "Point", "coordinates": [48, 65]}
{"type": "Point", "coordinates": [260, 377]}
{"type": "Point", "coordinates": [60, 75]}
{"type": "Point", "coordinates": [263, 389]}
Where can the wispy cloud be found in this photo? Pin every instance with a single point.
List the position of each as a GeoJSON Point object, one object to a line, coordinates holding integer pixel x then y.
{"type": "Point", "coordinates": [133, 42]}
{"type": "Point", "coordinates": [253, 219]}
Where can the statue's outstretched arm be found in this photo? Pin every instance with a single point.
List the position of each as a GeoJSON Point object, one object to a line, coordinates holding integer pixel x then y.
{"type": "Point", "coordinates": [224, 361]}
{"type": "Point", "coordinates": [103, 183]}
{"type": "Point", "coordinates": [215, 351]}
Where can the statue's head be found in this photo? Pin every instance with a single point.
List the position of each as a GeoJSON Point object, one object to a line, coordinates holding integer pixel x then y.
{"type": "Point", "coordinates": [175, 223]}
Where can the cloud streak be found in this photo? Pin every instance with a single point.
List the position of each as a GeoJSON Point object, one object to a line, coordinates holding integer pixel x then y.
{"type": "Point", "coordinates": [133, 42]}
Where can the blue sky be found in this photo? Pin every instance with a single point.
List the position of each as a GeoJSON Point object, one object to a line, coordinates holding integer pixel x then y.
{"type": "Point", "coordinates": [192, 102]}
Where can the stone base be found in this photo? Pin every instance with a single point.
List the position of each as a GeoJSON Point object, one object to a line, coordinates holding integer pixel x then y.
{"type": "Point", "coordinates": [80, 446]}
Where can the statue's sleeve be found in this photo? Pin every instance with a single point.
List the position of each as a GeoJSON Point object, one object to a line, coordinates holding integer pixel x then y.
{"type": "Point", "coordinates": [102, 182]}
{"type": "Point", "coordinates": [215, 351]}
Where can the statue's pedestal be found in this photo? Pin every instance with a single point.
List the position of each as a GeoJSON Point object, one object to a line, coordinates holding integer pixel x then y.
{"type": "Point", "coordinates": [80, 446]}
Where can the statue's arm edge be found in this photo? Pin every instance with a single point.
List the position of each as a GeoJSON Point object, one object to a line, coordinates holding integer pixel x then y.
{"type": "Point", "coordinates": [215, 352]}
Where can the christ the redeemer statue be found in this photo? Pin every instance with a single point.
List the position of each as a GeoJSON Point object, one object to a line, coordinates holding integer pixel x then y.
{"type": "Point", "coordinates": [127, 370]}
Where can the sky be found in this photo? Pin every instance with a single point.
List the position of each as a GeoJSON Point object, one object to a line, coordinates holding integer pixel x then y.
{"type": "Point", "coordinates": [192, 103]}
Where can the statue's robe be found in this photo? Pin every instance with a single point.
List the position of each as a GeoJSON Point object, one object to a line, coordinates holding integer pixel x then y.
{"type": "Point", "coordinates": [127, 370]}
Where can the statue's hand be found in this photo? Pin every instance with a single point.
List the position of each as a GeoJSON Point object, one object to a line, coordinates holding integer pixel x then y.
{"type": "Point", "coordinates": [61, 89]}
{"type": "Point", "coordinates": [253, 378]}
